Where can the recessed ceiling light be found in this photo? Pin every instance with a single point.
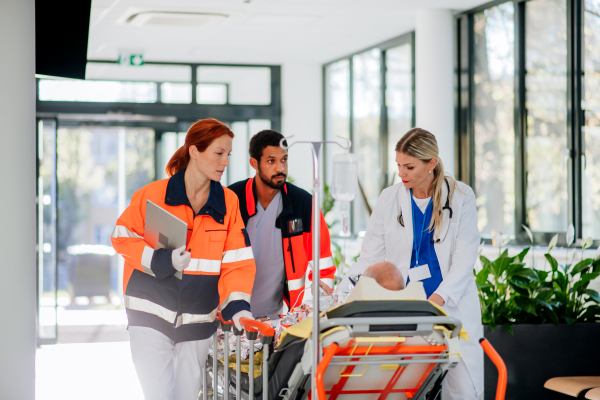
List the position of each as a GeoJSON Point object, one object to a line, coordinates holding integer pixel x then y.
{"type": "Point", "coordinates": [176, 18]}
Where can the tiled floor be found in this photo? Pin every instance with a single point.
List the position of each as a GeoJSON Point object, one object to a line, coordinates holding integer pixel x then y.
{"type": "Point", "coordinates": [90, 371]}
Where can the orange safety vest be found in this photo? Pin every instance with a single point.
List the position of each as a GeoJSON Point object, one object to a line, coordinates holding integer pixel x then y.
{"type": "Point", "coordinates": [295, 222]}
{"type": "Point", "coordinates": [220, 274]}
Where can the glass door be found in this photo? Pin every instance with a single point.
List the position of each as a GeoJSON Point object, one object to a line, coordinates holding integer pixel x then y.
{"type": "Point", "coordinates": [47, 293]}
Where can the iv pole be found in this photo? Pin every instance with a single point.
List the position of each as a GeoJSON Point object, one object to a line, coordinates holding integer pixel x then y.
{"type": "Point", "coordinates": [316, 231]}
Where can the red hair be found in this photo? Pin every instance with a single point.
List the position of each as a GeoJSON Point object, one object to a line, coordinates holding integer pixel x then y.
{"type": "Point", "coordinates": [201, 134]}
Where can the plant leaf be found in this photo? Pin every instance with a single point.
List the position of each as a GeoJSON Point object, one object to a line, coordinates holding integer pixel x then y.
{"type": "Point", "coordinates": [581, 266]}
{"type": "Point", "coordinates": [570, 236]}
{"type": "Point", "coordinates": [527, 273]}
{"type": "Point", "coordinates": [593, 295]}
{"type": "Point", "coordinates": [522, 254]}
{"type": "Point", "coordinates": [529, 233]}
{"type": "Point", "coordinates": [505, 240]}
{"type": "Point", "coordinates": [551, 260]}
{"type": "Point", "coordinates": [552, 243]}
{"type": "Point", "coordinates": [587, 243]}
{"type": "Point", "coordinates": [509, 328]}
{"type": "Point", "coordinates": [597, 255]}
{"type": "Point", "coordinates": [544, 295]}
{"type": "Point", "coordinates": [584, 280]}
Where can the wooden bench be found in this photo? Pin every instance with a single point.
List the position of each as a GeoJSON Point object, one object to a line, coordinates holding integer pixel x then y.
{"type": "Point", "coordinates": [574, 385]}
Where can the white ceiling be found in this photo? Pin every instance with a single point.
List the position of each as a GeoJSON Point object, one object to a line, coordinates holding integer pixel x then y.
{"type": "Point", "coordinates": [255, 31]}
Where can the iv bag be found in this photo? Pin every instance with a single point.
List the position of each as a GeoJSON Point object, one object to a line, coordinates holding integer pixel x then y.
{"type": "Point", "coordinates": [345, 177]}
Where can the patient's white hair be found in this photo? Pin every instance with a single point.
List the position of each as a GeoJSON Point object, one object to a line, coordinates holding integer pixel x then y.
{"type": "Point", "coordinates": [386, 275]}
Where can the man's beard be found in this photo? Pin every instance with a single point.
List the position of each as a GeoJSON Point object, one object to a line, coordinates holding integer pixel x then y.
{"type": "Point", "coordinates": [269, 182]}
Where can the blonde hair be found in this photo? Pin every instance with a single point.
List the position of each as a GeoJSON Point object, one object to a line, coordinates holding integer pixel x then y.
{"type": "Point", "coordinates": [422, 145]}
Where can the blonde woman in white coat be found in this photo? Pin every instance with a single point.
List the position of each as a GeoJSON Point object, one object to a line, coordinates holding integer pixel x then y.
{"type": "Point", "coordinates": [440, 249]}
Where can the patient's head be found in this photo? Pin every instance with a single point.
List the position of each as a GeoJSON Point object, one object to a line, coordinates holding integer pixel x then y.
{"type": "Point", "coordinates": [386, 275]}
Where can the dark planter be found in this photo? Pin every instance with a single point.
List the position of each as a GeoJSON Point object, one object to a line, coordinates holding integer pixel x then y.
{"type": "Point", "coordinates": [536, 353]}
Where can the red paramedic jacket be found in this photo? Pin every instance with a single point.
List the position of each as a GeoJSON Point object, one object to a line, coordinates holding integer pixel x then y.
{"type": "Point", "coordinates": [220, 274]}
{"type": "Point", "coordinates": [295, 222]}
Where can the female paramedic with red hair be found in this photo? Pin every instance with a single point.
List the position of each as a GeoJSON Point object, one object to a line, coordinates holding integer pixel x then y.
{"type": "Point", "coordinates": [172, 319]}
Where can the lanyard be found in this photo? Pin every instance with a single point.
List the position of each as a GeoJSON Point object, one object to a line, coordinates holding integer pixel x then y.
{"type": "Point", "coordinates": [418, 245]}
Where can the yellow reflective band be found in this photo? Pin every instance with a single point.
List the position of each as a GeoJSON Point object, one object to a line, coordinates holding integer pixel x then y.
{"type": "Point", "coordinates": [147, 260]}
{"type": "Point", "coordinates": [245, 253]}
{"type": "Point", "coordinates": [296, 284]}
{"type": "Point", "coordinates": [235, 296]}
{"type": "Point", "coordinates": [185, 319]}
{"type": "Point", "coordinates": [202, 265]}
{"type": "Point", "coordinates": [137, 304]}
{"type": "Point", "coordinates": [324, 263]}
{"type": "Point", "coordinates": [122, 232]}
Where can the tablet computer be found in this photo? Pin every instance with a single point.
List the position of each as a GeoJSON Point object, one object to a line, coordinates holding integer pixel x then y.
{"type": "Point", "coordinates": [163, 230]}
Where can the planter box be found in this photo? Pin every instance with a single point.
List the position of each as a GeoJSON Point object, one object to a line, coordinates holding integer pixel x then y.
{"type": "Point", "coordinates": [536, 353]}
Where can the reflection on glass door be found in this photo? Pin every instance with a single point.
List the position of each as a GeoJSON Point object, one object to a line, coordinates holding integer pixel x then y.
{"type": "Point", "coordinates": [99, 169]}
{"type": "Point", "coordinates": [46, 195]}
{"type": "Point", "coordinates": [546, 103]}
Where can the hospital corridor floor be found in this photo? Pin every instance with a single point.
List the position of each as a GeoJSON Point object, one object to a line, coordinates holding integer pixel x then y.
{"type": "Point", "coordinates": [90, 371]}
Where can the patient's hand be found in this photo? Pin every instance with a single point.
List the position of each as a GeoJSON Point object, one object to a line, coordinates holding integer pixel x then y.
{"type": "Point", "coordinates": [437, 299]}
{"type": "Point", "coordinates": [325, 287]}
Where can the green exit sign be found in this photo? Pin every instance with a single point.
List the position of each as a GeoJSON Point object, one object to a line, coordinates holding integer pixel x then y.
{"type": "Point", "coordinates": [131, 59]}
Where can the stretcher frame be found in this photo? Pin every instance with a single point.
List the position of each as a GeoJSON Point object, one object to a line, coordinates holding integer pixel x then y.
{"type": "Point", "coordinates": [441, 358]}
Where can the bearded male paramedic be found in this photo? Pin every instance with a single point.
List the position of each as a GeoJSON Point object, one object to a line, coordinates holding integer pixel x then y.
{"type": "Point", "coordinates": [278, 219]}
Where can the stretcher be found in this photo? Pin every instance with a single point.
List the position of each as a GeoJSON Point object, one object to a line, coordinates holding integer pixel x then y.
{"type": "Point", "coordinates": [369, 350]}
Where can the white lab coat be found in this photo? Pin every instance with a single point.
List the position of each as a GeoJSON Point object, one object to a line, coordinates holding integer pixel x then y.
{"type": "Point", "coordinates": [387, 240]}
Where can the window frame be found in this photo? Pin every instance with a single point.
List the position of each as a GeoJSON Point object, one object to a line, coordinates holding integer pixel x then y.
{"type": "Point", "coordinates": [407, 38]}
{"type": "Point", "coordinates": [464, 57]}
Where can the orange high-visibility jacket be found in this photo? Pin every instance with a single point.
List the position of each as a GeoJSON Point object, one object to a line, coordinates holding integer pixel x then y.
{"type": "Point", "coordinates": [295, 222]}
{"type": "Point", "coordinates": [220, 274]}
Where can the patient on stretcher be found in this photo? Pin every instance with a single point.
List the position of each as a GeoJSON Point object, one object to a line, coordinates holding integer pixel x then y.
{"type": "Point", "coordinates": [375, 294]}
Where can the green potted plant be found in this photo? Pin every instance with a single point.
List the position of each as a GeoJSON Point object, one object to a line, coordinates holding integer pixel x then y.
{"type": "Point", "coordinates": [542, 321]}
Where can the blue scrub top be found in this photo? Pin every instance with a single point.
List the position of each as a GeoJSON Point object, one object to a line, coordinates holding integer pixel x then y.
{"type": "Point", "coordinates": [427, 253]}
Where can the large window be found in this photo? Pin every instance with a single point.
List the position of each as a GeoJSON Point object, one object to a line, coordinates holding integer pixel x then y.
{"type": "Point", "coordinates": [528, 121]}
{"type": "Point", "coordinates": [369, 100]}
{"type": "Point", "coordinates": [546, 105]}
{"type": "Point", "coordinates": [591, 131]}
{"type": "Point", "coordinates": [493, 81]}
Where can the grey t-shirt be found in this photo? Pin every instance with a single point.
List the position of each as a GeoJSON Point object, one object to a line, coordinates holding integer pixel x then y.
{"type": "Point", "coordinates": [265, 238]}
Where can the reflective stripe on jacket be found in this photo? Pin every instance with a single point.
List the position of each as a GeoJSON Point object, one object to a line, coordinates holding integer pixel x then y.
{"type": "Point", "coordinates": [295, 222]}
{"type": "Point", "coordinates": [220, 274]}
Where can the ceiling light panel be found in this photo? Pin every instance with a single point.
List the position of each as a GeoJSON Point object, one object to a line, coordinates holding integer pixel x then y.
{"type": "Point", "coordinates": [177, 18]}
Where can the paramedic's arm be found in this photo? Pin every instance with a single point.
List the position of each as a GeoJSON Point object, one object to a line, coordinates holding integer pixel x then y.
{"type": "Point", "coordinates": [127, 240]}
{"type": "Point", "coordinates": [326, 263]}
{"type": "Point", "coordinates": [237, 268]}
{"type": "Point", "coordinates": [373, 245]}
{"type": "Point", "coordinates": [464, 256]}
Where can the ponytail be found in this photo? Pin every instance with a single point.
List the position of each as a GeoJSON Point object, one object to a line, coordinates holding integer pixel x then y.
{"type": "Point", "coordinates": [179, 161]}
{"type": "Point", "coordinates": [437, 187]}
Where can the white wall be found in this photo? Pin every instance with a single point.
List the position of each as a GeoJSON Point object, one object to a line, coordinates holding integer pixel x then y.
{"type": "Point", "coordinates": [434, 76]}
{"type": "Point", "coordinates": [17, 202]}
{"type": "Point", "coordinates": [302, 116]}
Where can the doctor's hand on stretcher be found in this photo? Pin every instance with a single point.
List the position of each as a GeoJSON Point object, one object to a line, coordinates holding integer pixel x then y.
{"type": "Point", "coordinates": [437, 299]}
{"type": "Point", "coordinates": [180, 258]}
